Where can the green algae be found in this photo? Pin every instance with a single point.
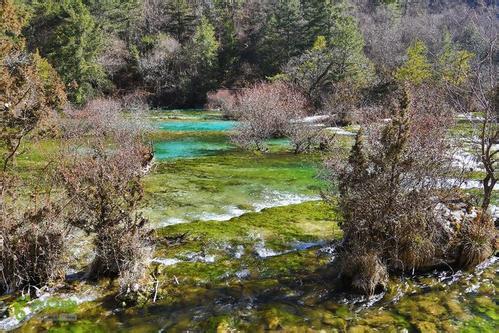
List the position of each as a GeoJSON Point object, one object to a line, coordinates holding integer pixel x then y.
{"type": "Point", "coordinates": [278, 227]}
{"type": "Point", "coordinates": [289, 290]}
{"type": "Point", "coordinates": [186, 190]}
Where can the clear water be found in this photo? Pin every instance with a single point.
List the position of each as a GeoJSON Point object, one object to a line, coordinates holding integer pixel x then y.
{"type": "Point", "coordinates": [188, 148]}
{"type": "Point", "coordinates": [197, 126]}
{"type": "Point", "coordinates": [256, 272]}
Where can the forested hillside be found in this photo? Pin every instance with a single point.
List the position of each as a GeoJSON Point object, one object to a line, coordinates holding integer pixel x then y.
{"type": "Point", "coordinates": [175, 51]}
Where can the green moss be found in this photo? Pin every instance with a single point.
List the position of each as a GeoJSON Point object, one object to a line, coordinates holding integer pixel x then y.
{"type": "Point", "coordinates": [478, 324]}
{"type": "Point", "coordinates": [82, 326]}
{"type": "Point", "coordinates": [426, 327]}
{"type": "Point", "coordinates": [278, 227]}
{"type": "Point", "coordinates": [485, 305]}
{"type": "Point", "coordinates": [23, 306]}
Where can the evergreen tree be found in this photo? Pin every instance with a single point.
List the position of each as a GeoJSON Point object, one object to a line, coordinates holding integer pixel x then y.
{"type": "Point", "coordinates": [417, 68]}
{"type": "Point", "coordinates": [319, 19]}
{"type": "Point", "coordinates": [339, 58]}
{"type": "Point", "coordinates": [453, 64]}
{"type": "Point", "coordinates": [205, 44]}
{"type": "Point", "coordinates": [202, 54]}
{"type": "Point", "coordinates": [114, 16]}
{"type": "Point", "coordinates": [66, 33]}
{"type": "Point", "coordinates": [181, 19]}
{"type": "Point", "coordinates": [229, 56]}
{"type": "Point", "coordinates": [284, 34]}
{"type": "Point", "coordinates": [346, 44]}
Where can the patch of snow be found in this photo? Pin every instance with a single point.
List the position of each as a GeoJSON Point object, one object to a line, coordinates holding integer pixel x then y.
{"type": "Point", "coordinates": [466, 160]}
{"type": "Point", "coordinates": [467, 184]}
{"type": "Point", "coordinates": [312, 119]}
{"type": "Point", "coordinates": [166, 261]}
{"type": "Point", "coordinates": [243, 274]}
{"type": "Point", "coordinates": [469, 117]}
{"type": "Point", "coordinates": [340, 131]}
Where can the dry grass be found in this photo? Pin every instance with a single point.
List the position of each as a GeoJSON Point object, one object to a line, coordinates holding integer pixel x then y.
{"type": "Point", "coordinates": [33, 240]}
{"type": "Point", "coordinates": [477, 238]}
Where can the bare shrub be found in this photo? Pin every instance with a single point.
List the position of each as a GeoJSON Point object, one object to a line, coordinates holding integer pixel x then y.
{"type": "Point", "coordinates": [342, 103]}
{"type": "Point", "coordinates": [266, 111]}
{"type": "Point", "coordinates": [388, 192]}
{"type": "Point", "coordinates": [33, 239]}
{"type": "Point", "coordinates": [224, 100]}
{"type": "Point", "coordinates": [101, 173]}
{"type": "Point", "coordinates": [306, 137]}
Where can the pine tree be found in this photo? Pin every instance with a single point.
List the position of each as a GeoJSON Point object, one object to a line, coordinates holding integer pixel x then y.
{"type": "Point", "coordinates": [68, 36]}
{"type": "Point", "coordinates": [205, 44]}
{"type": "Point", "coordinates": [203, 58]}
{"type": "Point", "coordinates": [181, 19]}
{"type": "Point", "coordinates": [453, 64]}
{"type": "Point", "coordinates": [337, 58]}
{"type": "Point", "coordinates": [114, 16]}
{"type": "Point", "coordinates": [417, 68]}
{"type": "Point", "coordinates": [347, 43]}
{"type": "Point", "coordinates": [284, 34]}
{"type": "Point", "coordinates": [319, 19]}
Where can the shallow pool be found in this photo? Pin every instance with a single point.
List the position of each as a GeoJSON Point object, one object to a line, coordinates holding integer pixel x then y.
{"type": "Point", "coordinates": [196, 126]}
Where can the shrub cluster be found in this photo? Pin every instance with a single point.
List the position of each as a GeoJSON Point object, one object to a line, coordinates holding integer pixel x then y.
{"type": "Point", "coordinates": [389, 190]}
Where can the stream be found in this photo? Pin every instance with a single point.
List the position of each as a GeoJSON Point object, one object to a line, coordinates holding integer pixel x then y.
{"type": "Point", "coordinates": [257, 254]}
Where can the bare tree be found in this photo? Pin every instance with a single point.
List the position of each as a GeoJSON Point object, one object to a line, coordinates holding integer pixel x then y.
{"type": "Point", "coordinates": [480, 97]}
{"type": "Point", "coordinates": [266, 110]}
{"type": "Point", "coordinates": [226, 101]}
{"type": "Point", "coordinates": [101, 172]}
{"type": "Point", "coordinates": [23, 102]}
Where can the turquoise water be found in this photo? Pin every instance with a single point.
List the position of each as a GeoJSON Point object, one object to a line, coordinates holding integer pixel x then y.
{"type": "Point", "coordinates": [188, 148]}
{"type": "Point", "coordinates": [197, 126]}
{"type": "Point", "coordinates": [238, 275]}
{"type": "Point", "coordinates": [201, 175]}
